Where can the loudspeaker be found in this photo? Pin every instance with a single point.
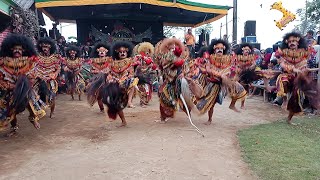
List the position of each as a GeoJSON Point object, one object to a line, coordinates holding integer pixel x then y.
{"type": "Point", "coordinates": [250, 28]}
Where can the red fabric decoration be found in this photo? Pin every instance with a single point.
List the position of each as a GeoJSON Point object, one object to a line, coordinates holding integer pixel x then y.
{"type": "Point", "coordinates": [177, 51]}
{"type": "Point", "coordinates": [148, 61]}
{"type": "Point", "coordinates": [179, 63]}
{"type": "Point", "coordinates": [154, 67]}
{"type": "Point", "coordinates": [142, 53]}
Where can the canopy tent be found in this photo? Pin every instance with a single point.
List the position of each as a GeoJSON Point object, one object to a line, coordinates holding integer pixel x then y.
{"type": "Point", "coordinates": [178, 13]}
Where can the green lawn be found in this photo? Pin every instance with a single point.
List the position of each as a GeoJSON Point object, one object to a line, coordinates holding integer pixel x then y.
{"type": "Point", "coordinates": [278, 151]}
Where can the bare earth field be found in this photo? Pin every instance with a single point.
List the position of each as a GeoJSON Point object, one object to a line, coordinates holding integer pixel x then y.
{"type": "Point", "coordinates": [81, 143]}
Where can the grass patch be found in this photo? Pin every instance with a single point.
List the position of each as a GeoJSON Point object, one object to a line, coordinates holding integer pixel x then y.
{"type": "Point", "coordinates": [277, 151]}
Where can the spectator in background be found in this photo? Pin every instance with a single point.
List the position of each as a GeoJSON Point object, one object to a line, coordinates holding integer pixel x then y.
{"type": "Point", "coordinates": [310, 40]}
{"type": "Point", "coordinates": [190, 42]}
{"type": "Point", "coordinates": [318, 37]}
{"type": "Point", "coordinates": [86, 50]}
{"type": "Point", "coordinates": [61, 45]}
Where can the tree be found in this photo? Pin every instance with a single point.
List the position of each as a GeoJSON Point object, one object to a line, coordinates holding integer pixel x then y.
{"type": "Point", "coordinates": [207, 28]}
{"type": "Point", "coordinates": [169, 31]}
{"type": "Point", "coordinates": [309, 16]}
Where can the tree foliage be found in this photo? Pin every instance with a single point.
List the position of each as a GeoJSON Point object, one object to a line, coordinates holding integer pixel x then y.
{"type": "Point", "coordinates": [207, 28]}
{"type": "Point", "coordinates": [169, 31]}
{"type": "Point", "coordinates": [309, 16]}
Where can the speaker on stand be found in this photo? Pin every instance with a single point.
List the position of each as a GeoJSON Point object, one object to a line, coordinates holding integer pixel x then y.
{"type": "Point", "coordinates": [250, 28]}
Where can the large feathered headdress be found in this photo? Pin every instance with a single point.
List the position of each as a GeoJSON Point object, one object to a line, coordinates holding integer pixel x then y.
{"type": "Point", "coordinates": [166, 43]}
{"type": "Point", "coordinates": [146, 48]}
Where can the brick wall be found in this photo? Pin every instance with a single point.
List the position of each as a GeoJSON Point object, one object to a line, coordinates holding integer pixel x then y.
{"type": "Point", "coordinates": [4, 34]}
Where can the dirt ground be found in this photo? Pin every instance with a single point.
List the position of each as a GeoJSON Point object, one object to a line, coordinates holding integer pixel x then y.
{"type": "Point", "coordinates": [81, 143]}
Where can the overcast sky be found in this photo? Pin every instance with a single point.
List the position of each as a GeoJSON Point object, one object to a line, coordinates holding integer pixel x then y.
{"type": "Point", "coordinates": [267, 32]}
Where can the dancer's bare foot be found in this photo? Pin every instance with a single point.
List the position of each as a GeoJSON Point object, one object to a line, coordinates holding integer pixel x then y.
{"type": "Point", "coordinates": [284, 106]}
{"type": "Point", "coordinates": [234, 109]}
{"type": "Point", "coordinates": [36, 124]}
{"type": "Point", "coordinates": [243, 107]}
{"type": "Point", "coordinates": [131, 106]}
{"type": "Point", "coordinates": [291, 123]}
{"type": "Point", "coordinates": [163, 121]}
{"type": "Point", "coordinates": [11, 133]}
{"type": "Point", "coordinates": [208, 123]}
{"type": "Point", "coordinates": [51, 115]}
{"type": "Point", "coordinates": [123, 124]}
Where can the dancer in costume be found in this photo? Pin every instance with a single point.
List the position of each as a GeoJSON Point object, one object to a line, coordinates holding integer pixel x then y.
{"type": "Point", "coordinates": [100, 60]}
{"type": "Point", "coordinates": [17, 58]}
{"type": "Point", "coordinates": [122, 68]}
{"type": "Point", "coordinates": [215, 69]}
{"type": "Point", "coordinates": [47, 70]}
{"type": "Point", "coordinates": [117, 85]}
{"type": "Point", "coordinates": [245, 61]}
{"type": "Point", "coordinates": [175, 91]}
{"type": "Point", "coordinates": [293, 85]}
{"type": "Point", "coordinates": [145, 70]}
{"type": "Point", "coordinates": [73, 66]}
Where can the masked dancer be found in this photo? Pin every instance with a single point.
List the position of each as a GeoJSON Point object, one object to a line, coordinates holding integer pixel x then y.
{"type": "Point", "coordinates": [17, 58]}
{"type": "Point", "coordinates": [47, 70]}
{"type": "Point", "coordinates": [73, 66]}
{"type": "Point", "coordinates": [294, 84]}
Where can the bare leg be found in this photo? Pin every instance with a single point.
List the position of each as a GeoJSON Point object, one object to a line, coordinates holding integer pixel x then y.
{"type": "Point", "coordinates": [32, 119]}
{"type": "Point", "coordinates": [284, 103]}
{"type": "Point", "coordinates": [53, 105]}
{"type": "Point", "coordinates": [290, 118]}
{"type": "Point", "coordinates": [130, 98]}
{"type": "Point", "coordinates": [72, 96]}
{"type": "Point", "coordinates": [79, 97]}
{"type": "Point", "coordinates": [233, 105]}
{"type": "Point", "coordinates": [100, 103]}
{"type": "Point", "coordinates": [242, 103]}
{"type": "Point", "coordinates": [210, 113]}
{"type": "Point", "coordinates": [124, 122]}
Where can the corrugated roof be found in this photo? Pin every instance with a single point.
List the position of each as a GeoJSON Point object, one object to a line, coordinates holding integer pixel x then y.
{"type": "Point", "coordinates": [25, 4]}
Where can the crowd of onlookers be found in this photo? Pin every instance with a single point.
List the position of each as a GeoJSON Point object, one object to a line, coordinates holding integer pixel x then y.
{"type": "Point", "coordinates": [267, 59]}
